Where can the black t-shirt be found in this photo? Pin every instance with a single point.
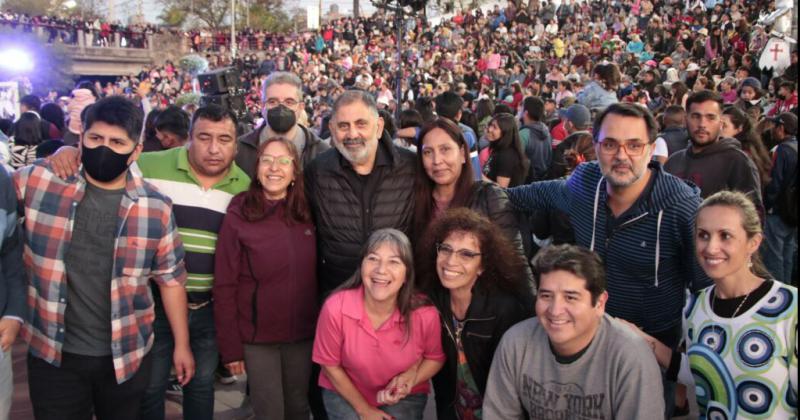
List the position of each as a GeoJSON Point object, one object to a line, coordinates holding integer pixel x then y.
{"type": "Point", "coordinates": [505, 163]}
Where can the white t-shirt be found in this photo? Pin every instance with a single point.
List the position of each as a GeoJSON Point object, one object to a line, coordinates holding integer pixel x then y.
{"type": "Point", "coordinates": [661, 148]}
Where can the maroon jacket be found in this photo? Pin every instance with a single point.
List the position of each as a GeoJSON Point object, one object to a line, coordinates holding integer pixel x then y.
{"type": "Point", "coordinates": [265, 281]}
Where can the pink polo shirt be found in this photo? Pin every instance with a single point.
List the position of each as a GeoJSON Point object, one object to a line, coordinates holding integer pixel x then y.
{"type": "Point", "coordinates": [371, 358]}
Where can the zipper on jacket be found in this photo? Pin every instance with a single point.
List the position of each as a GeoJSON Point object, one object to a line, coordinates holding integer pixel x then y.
{"type": "Point", "coordinates": [623, 226]}
{"type": "Point", "coordinates": [254, 300]}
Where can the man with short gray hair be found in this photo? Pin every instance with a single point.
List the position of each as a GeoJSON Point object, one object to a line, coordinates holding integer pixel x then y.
{"type": "Point", "coordinates": [282, 104]}
{"type": "Point", "coordinates": [364, 184]}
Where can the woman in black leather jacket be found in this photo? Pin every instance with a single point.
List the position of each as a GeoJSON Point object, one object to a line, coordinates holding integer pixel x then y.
{"type": "Point", "coordinates": [475, 278]}
{"type": "Point", "coordinates": [445, 181]}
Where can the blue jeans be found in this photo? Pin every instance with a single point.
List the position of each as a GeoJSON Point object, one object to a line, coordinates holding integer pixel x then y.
{"type": "Point", "coordinates": [198, 394]}
{"type": "Point", "coordinates": [411, 407]}
{"type": "Point", "coordinates": [780, 248]}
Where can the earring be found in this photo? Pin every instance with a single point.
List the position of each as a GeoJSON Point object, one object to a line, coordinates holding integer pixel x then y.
{"type": "Point", "coordinates": [750, 261]}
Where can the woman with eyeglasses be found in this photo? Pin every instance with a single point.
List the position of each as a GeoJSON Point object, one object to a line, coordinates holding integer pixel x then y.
{"type": "Point", "coordinates": [477, 281]}
{"type": "Point", "coordinates": [378, 340]}
{"type": "Point", "coordinates": [265, 285]}
{"type": "Point", "coordinates": [741, 332]}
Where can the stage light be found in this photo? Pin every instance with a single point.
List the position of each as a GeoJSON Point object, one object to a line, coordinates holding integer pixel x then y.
{"type": "Point", "coordinates": [15, 60]}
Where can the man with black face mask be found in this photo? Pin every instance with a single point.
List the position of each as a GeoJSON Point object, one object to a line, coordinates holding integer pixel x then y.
{"type": "Point", "coordinates": [282, 102]}
{"type": "Point", "coordinates": [96, 241]}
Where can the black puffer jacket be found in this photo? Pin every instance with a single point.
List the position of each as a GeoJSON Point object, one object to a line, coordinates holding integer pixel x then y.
{"type": "Point", "coordinates": [248, 147]}
{"type": "Point", "coordinates": [345, 220]}
{"type": "Point", "coordinates": [490, 314]}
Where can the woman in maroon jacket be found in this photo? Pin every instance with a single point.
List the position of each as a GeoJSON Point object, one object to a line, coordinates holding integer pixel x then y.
{"type": "Point", "coordinates": [265, 285]}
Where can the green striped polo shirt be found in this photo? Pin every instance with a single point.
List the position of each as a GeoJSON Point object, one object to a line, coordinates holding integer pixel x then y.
{"type": "Point", "coordinates": [198, 212]}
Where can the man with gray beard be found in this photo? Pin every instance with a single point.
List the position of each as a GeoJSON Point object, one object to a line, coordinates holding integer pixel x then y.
{"type": "Point", "coordinates": [363, 184]}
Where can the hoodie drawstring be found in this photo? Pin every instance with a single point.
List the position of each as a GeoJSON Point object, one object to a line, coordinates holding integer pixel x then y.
{"type": "Point", "coordinates": [658, 241]}
{"type": "Point", "coordinates": [594, 219]}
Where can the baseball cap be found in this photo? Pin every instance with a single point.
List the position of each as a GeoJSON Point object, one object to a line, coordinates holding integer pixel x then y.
{"type": "Point", "coordinates": [788, 121]}
{"type": "Point", "coordinates": [578, 115]}
{"type": "Point", "coordinates": [692, 67]}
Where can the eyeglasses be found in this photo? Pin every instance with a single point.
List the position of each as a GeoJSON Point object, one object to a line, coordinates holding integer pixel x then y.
{"type": "Point", "coordinates": [289, 102]}
{"type": "Point", "coordinates": [611, 147]}
{"type": "Point", "coordinates": [464, 255]}
{"type": "Point", "coordinates": [282, 160]}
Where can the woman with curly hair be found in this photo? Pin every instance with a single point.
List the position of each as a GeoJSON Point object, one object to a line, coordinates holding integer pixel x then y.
{"type": "Point", "coordinates": [736, 124]}
{"type": "Point", "coordinates": [476, 280]}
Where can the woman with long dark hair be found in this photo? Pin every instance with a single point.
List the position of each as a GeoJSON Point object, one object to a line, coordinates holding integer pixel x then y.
{"type": "Point", "coordinates": [378, 341]}
{"type": "Point", "coordinates": [741, 331]}
{"type": "Point", "coordinates": [444, 181]}
{"type": "Point", "coordinates": [265, 285]}
{"type": "Point", "coordinates": [507, 164]}
{"type": "Point", "coordinates": [27, 137]}
{"type": "Point", "coordinates": [476, 280]}
{"type": "Point", "coordinates": [736, 124]}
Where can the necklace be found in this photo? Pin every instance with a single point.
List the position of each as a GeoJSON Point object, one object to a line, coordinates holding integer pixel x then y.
{"type": "Point", "coordinates": [714, 327]}
{"type": "Point", "coordinates": [714, 296]}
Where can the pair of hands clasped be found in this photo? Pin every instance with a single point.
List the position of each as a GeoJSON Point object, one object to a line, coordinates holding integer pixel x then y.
{"type": "Point", "coordinates": [397, 389]}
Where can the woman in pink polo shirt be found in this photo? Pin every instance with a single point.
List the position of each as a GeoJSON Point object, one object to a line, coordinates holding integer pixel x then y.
{"type": "Point", "coordinates": [378, 342]}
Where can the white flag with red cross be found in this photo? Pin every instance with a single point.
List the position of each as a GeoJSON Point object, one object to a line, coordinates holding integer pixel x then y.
{"type": "Point", "coordinates": [775, 56]}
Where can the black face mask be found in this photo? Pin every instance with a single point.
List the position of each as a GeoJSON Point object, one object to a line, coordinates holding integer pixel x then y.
{"type": "Point", "coordinates": [281, 119]}
{"type": "Point", "coordinates": [104, 164]}
{"type": "Point", "coordinates": [781, 97]}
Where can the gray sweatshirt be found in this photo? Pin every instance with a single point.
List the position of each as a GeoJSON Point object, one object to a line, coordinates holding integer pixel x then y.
{"type": "Point", "coordinates": [617, 377]}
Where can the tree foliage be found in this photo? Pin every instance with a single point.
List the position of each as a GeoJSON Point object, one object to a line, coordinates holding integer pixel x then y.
{"type": "Point", "coordinates": [211, 13]}
{"type": "Point", "coordinates": [273, 20]}
{"type": "Point", "coordinates": [173, 16]}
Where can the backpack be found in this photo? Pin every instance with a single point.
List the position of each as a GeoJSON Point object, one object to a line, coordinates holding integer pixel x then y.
{"type": "Point", "coordinates": [786, 203]}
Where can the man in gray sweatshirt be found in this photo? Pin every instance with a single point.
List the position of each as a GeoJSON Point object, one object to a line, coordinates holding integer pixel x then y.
{"type": "Point", "coordinates": [572, 361]}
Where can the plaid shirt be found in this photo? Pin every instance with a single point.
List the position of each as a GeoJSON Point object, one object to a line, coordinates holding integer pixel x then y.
{"type": "Point", "coordinates": [147, 247]}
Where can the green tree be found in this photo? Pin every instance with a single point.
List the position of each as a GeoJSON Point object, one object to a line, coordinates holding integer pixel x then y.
{"type": "Point", "coordinates": [52, 64]}
{"type": "Point", "coordinates": [173, 16]}
{"type": "Point", "coordinates": [270, 19]}
{"type": "Point", "coordinates": [211, 12]}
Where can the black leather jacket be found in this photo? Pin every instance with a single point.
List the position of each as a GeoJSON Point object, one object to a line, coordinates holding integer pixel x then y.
{"type": "Point", "coordinates": [489, 315]}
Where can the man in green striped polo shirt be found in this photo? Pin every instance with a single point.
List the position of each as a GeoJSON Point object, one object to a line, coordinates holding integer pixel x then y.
{"type": "Point", "coordinates": [200, 179]}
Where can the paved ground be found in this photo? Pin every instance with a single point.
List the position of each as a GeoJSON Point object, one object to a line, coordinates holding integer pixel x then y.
{"type": "Point", "coordinates": [227, 406]}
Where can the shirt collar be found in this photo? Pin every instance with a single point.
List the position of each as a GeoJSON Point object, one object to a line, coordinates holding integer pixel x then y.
{"type": "Point", "coordinates": [183, 165]}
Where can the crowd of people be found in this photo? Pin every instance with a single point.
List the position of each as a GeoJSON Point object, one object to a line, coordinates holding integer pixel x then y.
{"type": "Point", "coordinates": [580, 212]}
{"type": "Point", "coordinates": [97, 32]}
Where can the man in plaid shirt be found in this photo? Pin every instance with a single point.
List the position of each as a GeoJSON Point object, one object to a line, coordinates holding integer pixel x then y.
{"type": "Point", "coordinates": [92, 244]}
